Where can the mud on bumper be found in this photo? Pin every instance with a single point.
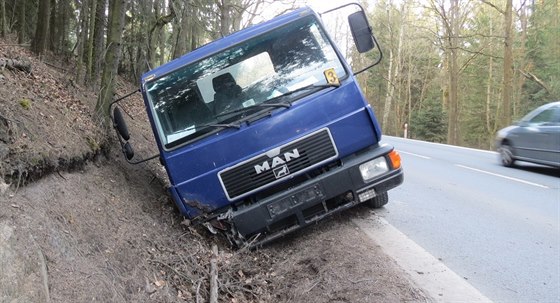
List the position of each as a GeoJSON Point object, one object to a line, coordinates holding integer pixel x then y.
{"type": "Point", "coordinates": [315, 199]}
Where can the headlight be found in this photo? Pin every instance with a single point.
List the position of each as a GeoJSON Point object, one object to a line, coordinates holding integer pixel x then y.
{"type": "Point", "coordinates": [373, 168]}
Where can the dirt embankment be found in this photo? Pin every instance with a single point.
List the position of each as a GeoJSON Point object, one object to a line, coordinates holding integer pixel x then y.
{"type": "Point", "coordinates": [79, 224]}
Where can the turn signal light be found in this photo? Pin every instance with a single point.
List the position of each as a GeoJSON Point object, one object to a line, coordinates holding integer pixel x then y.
{"type": "Point", "coordinates": [395, 159]}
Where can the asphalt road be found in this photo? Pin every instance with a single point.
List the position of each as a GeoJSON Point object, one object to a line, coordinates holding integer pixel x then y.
{"type": "Point", "coordinates": [497, 227]}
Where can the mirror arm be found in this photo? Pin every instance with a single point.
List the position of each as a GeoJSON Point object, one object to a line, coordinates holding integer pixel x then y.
{"type": "Point", "coordinates": [141, 161]}
{"type": "Point", "coordinates": [130, 161]}
{"type": "Point", "coordinates": [122, 98]}
{"type": "Point", "coordinates": [118, 135]}
{"type": "Point", "coordinates": [339, 7]}
{"type": "Point", "coordinates": [373, 36]}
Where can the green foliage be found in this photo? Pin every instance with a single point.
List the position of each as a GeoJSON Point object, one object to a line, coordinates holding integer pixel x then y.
{"type": "Point", "coordinates": [93, 144]}
{"type": "Point", "coordinates": [25, 103]}
{"type": "Point", "coordinates": [429, 123]}
{"type": "Point", "coordinates": [543, 55]}
{"type": "Point", "coordinates": [424, 66]}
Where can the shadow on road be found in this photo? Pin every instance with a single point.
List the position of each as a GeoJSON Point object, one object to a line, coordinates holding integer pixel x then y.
{"type": "Point", "coordinates": [534, 168]}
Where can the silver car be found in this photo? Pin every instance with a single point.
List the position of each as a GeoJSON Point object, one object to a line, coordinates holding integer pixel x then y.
{"type": "Point", "coordinates": [535, 138]}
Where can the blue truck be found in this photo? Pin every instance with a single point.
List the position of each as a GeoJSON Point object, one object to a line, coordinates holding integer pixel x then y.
{"type": "Point", "coordinates": [266, 130]}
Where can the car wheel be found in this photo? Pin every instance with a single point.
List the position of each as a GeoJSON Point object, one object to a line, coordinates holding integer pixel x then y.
{"type": "Point", "coordinates": [378, 201]}
{"type": "Point", "coordinates": [506, 155]}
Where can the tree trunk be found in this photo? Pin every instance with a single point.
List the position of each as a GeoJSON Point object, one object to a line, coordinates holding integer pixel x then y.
{"type": "Point", "coordinates": [489, 96]}
{"type": "Point", "coordinates": [82, 40]}
{"type": "Point", "coordinates": [453, 75]}
{"type": "Point", "coordinates": [507, 86]}
{"type": "Point", "coordinates": [51, 43]}
{"type": "Point", "coordinates": [225, 20]}
{"type": "Point", "coordinates": [21, 21]}
{"type": "Point", "coordinates": [98, 40]}
{"type": "Point", "coordinates": [153, 36]}
{"type": "Point", "coordinates": [42, 30]}
{"type": "Point", "coordinates": [90, 44]}
{"type": "Point", "coordinates": [3, 27]}
{"type": "Point", "coordinates": [112, 57]}
{"type": "Point", "coordinates": [518, 96]}
{"type": "Point", "coordinates": [393, 77]}
{"type": "Point", "coordinates": [156, 34]}
{"type": "Point", "coordinates": [183, 34]}
{"type": "Point", "coordinates": [195, 35]}
{"type": "Point", "coordinates": [409, 90]}
{"type": "Point", "coordinates": [389, 91]}
{"type": "Point", "coordinates": [162, 42]}
{"type": "Point", "coordinates": [62, 26]}
{"type": "Point", "coordinates": [58, 32]}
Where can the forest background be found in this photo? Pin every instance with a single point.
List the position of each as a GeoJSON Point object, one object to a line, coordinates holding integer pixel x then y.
{"type": "Point", "coordinates": [454, 71]}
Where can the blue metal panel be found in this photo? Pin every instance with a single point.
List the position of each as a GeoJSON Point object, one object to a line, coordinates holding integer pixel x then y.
{"type": "Point", "coordinates": [194, 168]}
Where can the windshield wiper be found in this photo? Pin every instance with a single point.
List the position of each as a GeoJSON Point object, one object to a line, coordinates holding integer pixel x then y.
{"type": "Point", "coordinates": [261, 105]}
{"type": "Point", "coordinates": [285, 104]}
{"type": "Point", "coordinates": [307, 87]}
{"type": "Point", "coordinates": [225, 125]}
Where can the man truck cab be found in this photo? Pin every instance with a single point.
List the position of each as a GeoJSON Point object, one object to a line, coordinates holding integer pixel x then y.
{"type": "Point", "coordinates": [266, 130]}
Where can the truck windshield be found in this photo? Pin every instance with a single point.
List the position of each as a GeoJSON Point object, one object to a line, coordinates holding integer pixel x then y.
{"type": "Point", "coordinates": [250, 77]}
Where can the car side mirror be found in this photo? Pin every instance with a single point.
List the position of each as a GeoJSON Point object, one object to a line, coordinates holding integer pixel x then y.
{"type": "Point", "coordinates": [361, 31]}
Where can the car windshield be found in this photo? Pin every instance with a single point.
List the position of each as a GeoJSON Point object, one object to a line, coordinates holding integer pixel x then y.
{"type": "Point", "coordinates": [542, 115]}
{"type": "Point", "coordinates": [271, 70]}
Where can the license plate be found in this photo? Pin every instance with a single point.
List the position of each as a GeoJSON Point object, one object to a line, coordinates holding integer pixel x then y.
{"type": "Point", "coordinates": [309, 194]}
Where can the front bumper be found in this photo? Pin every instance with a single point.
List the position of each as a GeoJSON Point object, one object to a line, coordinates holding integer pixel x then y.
{"type": "Point", "coordinates": [316, 198]}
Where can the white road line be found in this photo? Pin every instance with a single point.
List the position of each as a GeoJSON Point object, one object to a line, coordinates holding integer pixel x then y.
{"type": "Point", "coordinates": [412, 154]}
{"type": "Point", "coordinates": [502, 176]}
{"type": "Point", "coordinates": [428, 273]}
{"type": "Point", "coordinates": [445, 145]}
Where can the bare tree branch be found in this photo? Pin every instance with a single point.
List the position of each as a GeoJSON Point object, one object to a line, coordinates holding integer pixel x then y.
{"type": "Point", "coordinates": [534, 78]}
{"type": "Point", "coordinates": [501, 11]}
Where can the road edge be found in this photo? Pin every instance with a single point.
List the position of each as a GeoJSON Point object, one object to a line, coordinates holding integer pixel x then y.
{"type": "Point", "coordinates": [427, 272]}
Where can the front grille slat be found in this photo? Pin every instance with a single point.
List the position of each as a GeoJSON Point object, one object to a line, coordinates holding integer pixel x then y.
{"type": "Point", "coordinates": [313, 149]}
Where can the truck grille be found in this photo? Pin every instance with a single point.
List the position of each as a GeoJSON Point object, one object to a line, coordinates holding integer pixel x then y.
{"type": "Point", "coordinates": [280, 163]}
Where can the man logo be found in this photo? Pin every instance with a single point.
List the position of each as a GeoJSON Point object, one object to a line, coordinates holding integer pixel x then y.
{"type": "Point", "coordinates": [281, 171]}
{"type": "Point", "coordinates": [278, 161]}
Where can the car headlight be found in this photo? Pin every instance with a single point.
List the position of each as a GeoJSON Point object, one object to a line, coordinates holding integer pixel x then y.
{"type": "Point", "coordinates": [373, 168]}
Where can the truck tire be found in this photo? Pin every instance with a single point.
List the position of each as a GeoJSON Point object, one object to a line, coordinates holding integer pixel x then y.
{"type": "Point", "coordinates": [378, 201]}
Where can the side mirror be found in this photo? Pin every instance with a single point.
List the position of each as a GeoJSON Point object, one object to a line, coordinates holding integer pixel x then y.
{"type": "Point", "coordinates": [128, 151]}
{"type": "Point", "coordinates": [122, 130]}
{"type": "Point", "coordinates": [120, 124]}
{"type": "Point", "coordinates": [361, 31]}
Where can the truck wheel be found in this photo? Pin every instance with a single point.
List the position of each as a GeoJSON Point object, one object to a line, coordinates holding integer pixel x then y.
{"type": "Point", "coordinates": [506, 155]}
{"type": "Point", "coordinates": [378, 201]}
